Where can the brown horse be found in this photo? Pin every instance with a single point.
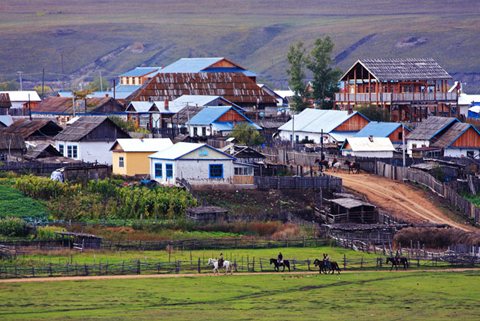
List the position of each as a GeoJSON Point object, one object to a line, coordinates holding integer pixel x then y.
{"type": "Point", "coordinates": [325, 267]}
{"type": "Point", "coordinates": [353, 167]}
{"type": "Point", "coordinates": [398, 261]}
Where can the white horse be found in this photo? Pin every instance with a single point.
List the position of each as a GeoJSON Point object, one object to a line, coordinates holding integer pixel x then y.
{"type": "Point", "coordinates": [226, 264]}
{"type": "Point", "coordinates": [335, 167]}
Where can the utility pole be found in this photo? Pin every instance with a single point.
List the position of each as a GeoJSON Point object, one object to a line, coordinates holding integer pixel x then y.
{"type": "Point", "coordinates": [293, 130]}
{"type": "Point", "coordinates": [101, 81]}
{"type": "Point", "coordinates": [403, 144]}
{"type": "Point", "coordinates": [43, 82]}
{"type": "Point", "coordinates": [20, 78]}
{"type": "Point", "coordinates": [29, 108]}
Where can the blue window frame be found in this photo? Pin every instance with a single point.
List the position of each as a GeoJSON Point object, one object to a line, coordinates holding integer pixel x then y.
{"type": "Point", "coordinates": [158, 170]}
{"type": "Point", "coordinates": [216, 171]}
{"type": "Point", "coordinates": [169, 170]}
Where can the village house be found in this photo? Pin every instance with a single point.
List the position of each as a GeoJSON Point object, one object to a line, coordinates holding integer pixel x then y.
{"type": "Point", "coordinates": [460, 140]}
{"type": "Point", "coordinates": [138, 76]}
{"type": "Point", "coordinates": [89, 139]}
{"type": "Point", "coordinates": [393, 131]}
{"type": "Point", "coordinates": [22, 101]}
{"type": "Point", "coordinates": [218, 120]}
{"type": "Point", "coordinates": [130, 155]}
{"type": "Point", "coordinates": [310, 124]}
{"type": "Point", "coordinates": [373, 147]}
{"type": "Point", "coordinates": [12, 147]}
{"type": "Point", "coordinates": [62, 106]}
{"type": "Point", "coordinates": [34, 130]}
{"type": "Point", "coordinates": [410, 89]}
{"type": "Point", "coordinates": [198, 164]}
{"type": "Point", "coordinates": [426, 133]}
{"type": "Point", "coordinates": [37, 151]}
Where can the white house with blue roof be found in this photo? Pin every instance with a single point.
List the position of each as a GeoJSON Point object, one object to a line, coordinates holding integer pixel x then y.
{"type": "Point", "coordinates": [196, 163]}
{"type": "Point", "coordinates": [217, 120]}
{"type": "Point", "coordinates": [393, 131]}
{"type": "Point", "coordinates": [336, 125]}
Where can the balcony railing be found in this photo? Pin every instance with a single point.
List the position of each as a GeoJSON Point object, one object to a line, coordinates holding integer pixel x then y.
{"type": "Point", "coordinates": [395, 98]}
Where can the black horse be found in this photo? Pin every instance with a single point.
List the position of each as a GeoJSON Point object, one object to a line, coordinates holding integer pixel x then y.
{"type": "Point", "coordinates": [324, 268]}
{"type": "Point", "coordinates": [322, 164]}
{"type": "Point", "coordinates": [353, 167]}
{"type": "Point", "coordinates": [284, 263]}
{"type": "Point", "coordinates": [398, 261]}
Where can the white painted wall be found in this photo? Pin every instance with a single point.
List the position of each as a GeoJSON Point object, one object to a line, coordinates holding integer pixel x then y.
{"type": "Point", "coordinates": [90, 151]}
{"type": "Point", "coordinates": [285, 135]}
{"type": "Point", "coordinates": [461, 152]}
{"type": "Point", "coordinates": [419, 143]}
{"type": "Point", "coordinates": [368, 154]}
{"type": "Point", "coordinates": [194, 171]}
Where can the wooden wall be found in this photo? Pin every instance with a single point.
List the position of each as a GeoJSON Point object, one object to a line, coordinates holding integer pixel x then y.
{"type": "Point", "coordinates": [470, 138]}
{"type": "Point", "coordinates": [231, 116]}
{"type": "Point", "coordinates": [353, 124]}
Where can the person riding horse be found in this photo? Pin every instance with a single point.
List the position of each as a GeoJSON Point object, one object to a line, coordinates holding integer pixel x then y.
{"type": "Point", "coordinates": [326, 260]}
{"type": "Point", "coordinates": [220, 261]}
{"type": "Point", "coordinates": [280, 258]}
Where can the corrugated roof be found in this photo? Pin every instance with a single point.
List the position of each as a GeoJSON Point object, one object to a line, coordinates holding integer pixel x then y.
{"type": "Point", "coordinates": [7, 120]}
{"type": "Point", "coordinates": [180, 149]}
{"type": "Point", "coordinates": [11, 141]}
{"type": "Point", "coordinates": [314, 120]}
{"type": "Point", "coordinates": [41, 151]}
{"type": "Point", "coordinates": [63, 105]}
{"type": "Point", "coordinates": [143, 145]}
{"type": "Point", "coordinates": [191, 65]}
{"type": "Point", "coordinates": [185, 114]}
{"type": "Point", "coordinates": [378, 129]}
{"type": "Point", "coordinates": [341, 136]}
{"type": "Point", "coordinates": [208, 115]}
{"type": "Point", "coordinates": [140, 71]}
{"type": "Point", "coordinates": [452, 134]}
{"type": "Point", "coordinates": [21, 96]}
{"type": "Point", "coordinates": [430, 127]}
{"type": "Point", "coordinates": [350, 202]}
{"type": "Point", "coordinates": [140, 106]}
{"type": "Point", "coordinates": [365, 144]}
{"type": "Point", "coordinates": [41, 127]}
{"type": "Point", "coordinates": [403, 69]}
{"type": "Point", "coordinates": [195, 100]}
{"type": "Point", "coordinates": [235, 87]}
{"type": "Point", "coordinates": [82, 127]}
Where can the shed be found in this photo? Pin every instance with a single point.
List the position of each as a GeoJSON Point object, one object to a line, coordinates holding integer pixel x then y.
{"type": "Point", "coordinates": [81, 241]}
{"type": "Point", "coordinates": [207, 214]}
{"type": "Point", "coordinates": [350, 210]}
{"type": "Point", "coordinates": [378, 147]}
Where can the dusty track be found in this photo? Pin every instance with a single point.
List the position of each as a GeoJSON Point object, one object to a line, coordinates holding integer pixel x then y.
{"type": "Point", "coordinates": [169, 276]}
{"type": "Point", "coordinates": [401, 200]}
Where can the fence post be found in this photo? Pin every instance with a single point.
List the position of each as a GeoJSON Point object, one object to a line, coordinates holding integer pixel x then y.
{"type": "Point", "coordinates": [86, 269]}
{"type": "Point", "coordinates": [261, 267]}
{"type": "Point", "coordinates": [138, 267]}
{"type": "Point", "coordinates": [308, 264]}
{"type": "Point", "coordinates": [253, 264]}
{"type": "Point", "coordinates": [198, 266]}
{"type": "Point", "coordinates": [33, 271]}
{"type": "Point", "coordinates": [177, 267]}
{"type": "Point", "coordinates": [361, 263]}
{"type": "Point", "coordinates": [344, 261]}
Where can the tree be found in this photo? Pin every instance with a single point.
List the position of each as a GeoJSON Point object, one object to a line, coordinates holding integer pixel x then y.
{"type": "Point", "coordinates": [246, 134]}
{"type": "Point", "coordinates": [325, 77]}
{"type": "Point", "coordinates": [97, 84]}
{"type": "Point", "coordinates": [9, 85]}
{"type": "Point", "coordinates": [46, 89]}
{"type": "Point", "coordinates": [296, 73]}
{"type": "Point", "coordinates": [374, 113]}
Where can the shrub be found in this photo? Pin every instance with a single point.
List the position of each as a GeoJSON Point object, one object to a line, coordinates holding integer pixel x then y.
{"type": "Point", "coordinates": [13, 226]}
{"type": "Point", "coordinates": [435, 237]}
{"type": "Point", "coordinates": [47, 233]}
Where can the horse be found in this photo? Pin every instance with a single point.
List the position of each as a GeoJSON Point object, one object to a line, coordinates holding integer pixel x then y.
{"type": "Point", "coordinates": [353, 167]}
{"type": "Point", "coordinates": [323, 267]}
{"type": "Point", "coordinates": [226, 264]}
{"type": "Point", "coordinates": [322, 164]}
{"type": "Point", "coordinates": [396, 261]}
{"type": "Point", "coordinates": [335, 165]}
{"type": "Point", "coordinates": [284, 263]}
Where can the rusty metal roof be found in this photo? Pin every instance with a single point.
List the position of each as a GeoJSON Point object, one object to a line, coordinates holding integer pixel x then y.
{"type": "Point", "coordinates": [430, 127]}
{"type": "Point", "coordinates": [235, 87]}
{"type": "Point", "coordinates": [63, 105]}
{"type": "Point", "coordinates": [40, 128]}
{"type": "Point", "coordinates": [5, 100]}
{"type": "Point", "coordinates": [83, 126]}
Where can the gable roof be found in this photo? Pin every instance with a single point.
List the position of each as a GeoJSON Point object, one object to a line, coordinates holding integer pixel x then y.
{"type": "Point", "coordinates": [84, 126]}
{"type": "Point", "coordinates": [402, 69]}
{"type": "Point", "coordinates": [25, 128]}
{"type": "Point", "coordinates": [141, 107]}
{"type": "Point", "coordinates": [140, 71]}
{"type": "Point", "coordinates": [181, 149]}
{"type": "Point", "coordinates": [185, 114]}
{"type": "Point", "coordinates": [42, 151]}
{"type": "Point", "coordinates": [452, 134]}
{"type": "Point", "coordinates": [7, 120]}
{"type": "Point", "coordinates": [430, 127]}
{"type": "Point", "coordinates": [365, 144]}
{"type": "Point", "coordinates": [235, 87]}
{"type": "Point", "coordinates": [210, 114]}
{"type": "Point", "coordinates": [314, 120]}
{"type": "Point", "coordinates": [63, 105]}
{"type": "Point", "coordinates": [378, 129]}
{"type": "Point", "coordinates": [142, 145]}
{"type": "Point", "coordinates": [20, 96]}
{"type": "Point", "coordinates": [191, 65]}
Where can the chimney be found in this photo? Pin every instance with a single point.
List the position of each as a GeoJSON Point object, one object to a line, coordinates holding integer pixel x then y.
{"type": "Point", "coordinates": [165, 103]}
{"type": "Point", "coordinates": [370, 138]}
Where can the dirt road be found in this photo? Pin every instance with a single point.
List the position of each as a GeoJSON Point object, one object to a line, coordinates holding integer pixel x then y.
{"type": "Point", "coordinates": [400, 200]}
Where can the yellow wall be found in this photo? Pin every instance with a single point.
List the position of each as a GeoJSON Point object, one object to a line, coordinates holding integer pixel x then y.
{"type": "Point", "coordinates": [135, 163]}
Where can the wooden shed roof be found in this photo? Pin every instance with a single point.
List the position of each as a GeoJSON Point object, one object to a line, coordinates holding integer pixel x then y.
{"type": "Point", "coordinates": [402, 69]}
{"type": "Point", "coordinates": [5, 100]}
{"type": "Point", "coordinates": [452, 134]}
{"type": "Point", "coordinates": [63, 105]}
{"type": "Point", "coordinates": [430, 127]}
{"type": "Point", "coordinates": [83, 126]}
{"type": "Point", "coordinates": [38, 127]}
{"type": "Point", "coordinates": [11, 141]}
{"type": "Point", "coordinates": [236, 87]}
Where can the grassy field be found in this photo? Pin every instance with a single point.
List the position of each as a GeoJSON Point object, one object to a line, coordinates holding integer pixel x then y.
{"type": "Point", "coordinates": [255, 34]}
{"type": "Point", "coordinates": [354, 296]}
{"type": "Point", "coordinates": [15, 204]}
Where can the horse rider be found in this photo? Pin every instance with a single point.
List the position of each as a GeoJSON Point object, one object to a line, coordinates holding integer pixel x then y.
{"type": "Point", "coordinates": [220, 261]}
{"type": "Point", "coordinates": [280, 258]}
{"type": "Point", "coordinates": [326, 260]}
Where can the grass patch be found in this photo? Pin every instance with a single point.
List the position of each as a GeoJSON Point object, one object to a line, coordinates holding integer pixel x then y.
{"type": "Point", "coordinates": [13, 203]}
{"type": "Point", "coordinates": [362, 296]}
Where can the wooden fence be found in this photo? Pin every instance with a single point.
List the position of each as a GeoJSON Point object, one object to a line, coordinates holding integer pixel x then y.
{"type": "Point", "coordinates": [456, 201]}
{"type": "Point", "coordinates": [72, 171]}
{"type": "Point", "coordinates": [287, 182]}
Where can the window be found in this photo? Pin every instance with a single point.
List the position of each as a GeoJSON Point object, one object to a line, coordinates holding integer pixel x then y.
{"type": "Point", "coordinates": [72, 151]}
{"type": "Point", "coordinates": [61, 149]}
{"type": "Point", "coordinates": [242, 171]}
{"type": "Point", "coordinates": [195, 131]}
{"type": "Point", "coordinates": [400, 136]}
{"type": "Point", "coordinates": [414, 146]}
{"type": "Point", "coordinates": [306, 138]}
{"type": "Point", "coordinates": [158, 170]}
{"type": "Point", "coordinates": [121, 161]}
{"type": "Point", "coordinates": [204, 131]}
{"type": "Point", "coordinates": [471, 154]}
{"type": "Point", "coordinates": [297, 139]}
{"type": "Point", "coordinates": [291, 137]}
{"type": "Point", "coordinates": [169, 170]}
{"type": "Point", "coordinates": [216, 171]}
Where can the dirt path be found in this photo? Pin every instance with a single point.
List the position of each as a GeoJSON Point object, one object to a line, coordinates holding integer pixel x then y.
{"type": "Point", "coordinates": [401, 200]}
{"type": "Point", "coordinates": [169, 276]}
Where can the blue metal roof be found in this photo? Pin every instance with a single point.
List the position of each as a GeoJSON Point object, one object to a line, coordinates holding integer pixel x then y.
{"type": "Point", "coordinates": [126, 88]}
{"type": "Point", "coordinates": [208, 115]}
{"type": "Point", "coordinates": [193, 65]}
{"type": "Point", "coordinates": [140, 71]}
{"type": "Point", "coordinates": [378, 129]}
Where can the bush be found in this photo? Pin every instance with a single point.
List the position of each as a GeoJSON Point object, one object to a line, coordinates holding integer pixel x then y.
{"type": "Point", "coordinates": [435, 237]}
{"type": "Point", "coordinates": [47, 233]}
{"type": "Point", "coordinates": [13, 226]}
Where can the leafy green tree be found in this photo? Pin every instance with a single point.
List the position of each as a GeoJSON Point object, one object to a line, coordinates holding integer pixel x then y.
{"type": "Point", "coordinates": [47, 89]}
{"type": "Point", "coordinates": [97, 84]}
{"type": "Point", "coordinates": [296, 73]}
{"type": "Point", "coordinates": [245, 134]}
{"type": "Point", "coordinates": [374, 113]}
{"type": "Point", "coordinates": [9, 85]}
{"type": "Point", "coordinates": [325, 76]}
